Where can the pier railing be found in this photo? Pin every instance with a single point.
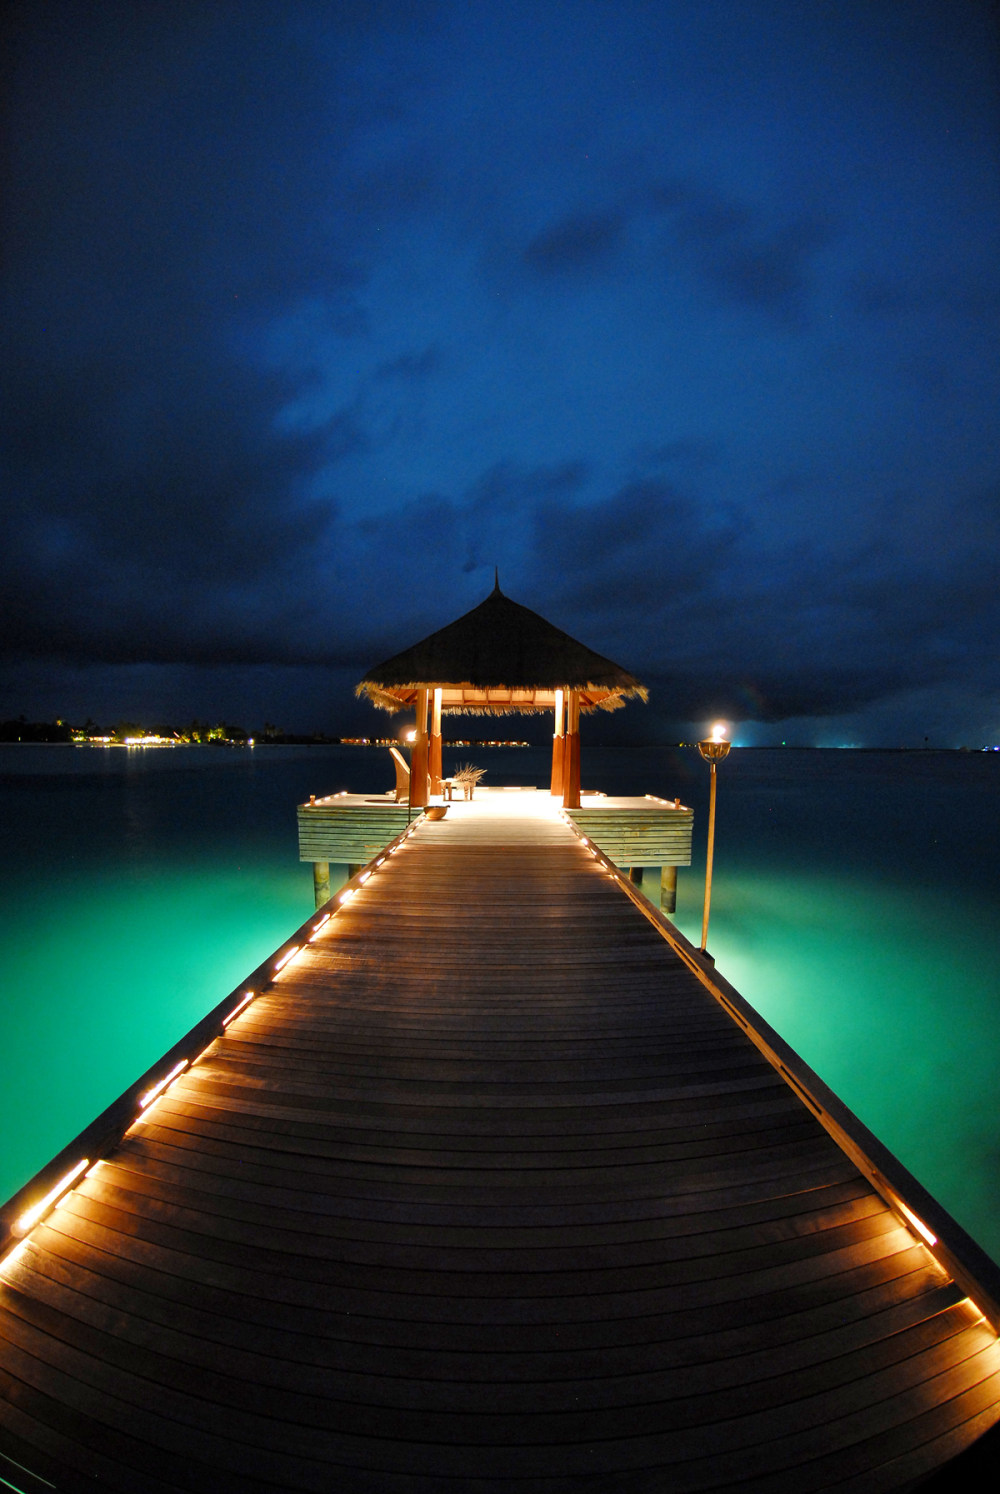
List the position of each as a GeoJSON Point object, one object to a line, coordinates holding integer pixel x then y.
{"type": "Point", "coordinates": [55, 1181]}
{"type": "Point", "coordinates": [954, 1249]}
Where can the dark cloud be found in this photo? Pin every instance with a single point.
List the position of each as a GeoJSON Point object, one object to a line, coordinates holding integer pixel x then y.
{"type": "Point", "coordinates": [741, 253]}
{"type": "Point", "coordinates": [315, 313]}
{"type": "Point", "coordinates": [574, 244]}
{"type": "Point", "coordinates": [687, 452]}
{"type": "Point", "coordinates": [644, 546]}
{"type": "Point", "coordinates": [748, 257]}
{"type": "Point", "coordinates": [411, 365]}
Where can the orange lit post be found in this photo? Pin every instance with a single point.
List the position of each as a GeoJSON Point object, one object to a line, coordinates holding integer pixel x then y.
{"type": "Point", "coordinates": [714, 750]}
{"type": "Point", "coordinates": [558, 746]}
{"type": "Point", "coordinates": [420, 754]}
{"type": "Point", "coordinates": [435, 744]}
{"type": "Point", "coordinates": [571, 756]}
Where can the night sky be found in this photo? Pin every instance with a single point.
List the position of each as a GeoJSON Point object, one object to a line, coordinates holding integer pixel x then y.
{"type": "Point", "coordinates": [682, 313]}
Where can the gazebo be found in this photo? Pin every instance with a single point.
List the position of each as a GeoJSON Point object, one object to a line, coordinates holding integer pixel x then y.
{"type": "Point", "coordinates": [500, 658]}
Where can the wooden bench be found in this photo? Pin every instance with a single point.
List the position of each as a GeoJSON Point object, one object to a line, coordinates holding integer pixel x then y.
{"type": "Point", "coordinates": [402, 767]}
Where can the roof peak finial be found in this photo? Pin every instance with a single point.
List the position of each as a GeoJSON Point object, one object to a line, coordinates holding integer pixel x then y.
{"type": "Point", "coordinates": [496, 580]}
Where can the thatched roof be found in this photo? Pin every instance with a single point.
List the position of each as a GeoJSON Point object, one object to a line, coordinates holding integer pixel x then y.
{"type": "Point", "coordinates": [498, 658]}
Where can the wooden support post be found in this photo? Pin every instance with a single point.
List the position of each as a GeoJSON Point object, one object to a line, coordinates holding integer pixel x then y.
{"type": "Point", "coordinates": [558, 746]}
{"type": "Point", "coordinates": [571, 772]}
{"type": "Point", "coordinates": [353, 867]}
{"type": "Point", "coordinates": [321, 882]}
{"type": "Point", "coordinates": [434, 763]}
{"type": "Point", "coordinates": [419, 757]}
{"type": "Point", "coordinates": [668, 889]}
{"type": "Point", "coordinates": [635, 875]}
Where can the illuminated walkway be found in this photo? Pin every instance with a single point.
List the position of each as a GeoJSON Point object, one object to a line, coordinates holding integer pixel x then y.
{"type": "Point", "coordinates": [487, 1193]}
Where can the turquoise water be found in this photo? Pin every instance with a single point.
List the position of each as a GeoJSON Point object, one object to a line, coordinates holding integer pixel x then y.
{"type": "Point", "coordinates": [854, 906]}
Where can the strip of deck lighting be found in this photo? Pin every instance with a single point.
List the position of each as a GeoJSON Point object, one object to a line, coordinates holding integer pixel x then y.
{"type": "Point", "coordinates": [318, 928]}
{"type": "Point", "coordinates": [287, 957]}
{"type": "Point", "coordinates": [151, 1094]}
{"type": "Point", "coordinates": [237, 1009]}
{"type": "Point", "coordinates": [30, 1217]}
{"type": "Point", "coordinates": [918, 1224]}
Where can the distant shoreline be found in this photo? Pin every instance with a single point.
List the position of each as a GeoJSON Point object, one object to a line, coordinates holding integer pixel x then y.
{"type": "Point", "coordinates": [319, 741]}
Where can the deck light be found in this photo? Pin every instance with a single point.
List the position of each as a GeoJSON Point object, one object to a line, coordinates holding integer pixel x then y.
{"type": "Point", "coordinates": [918, 1224]}
{"type": "Point", "coordinates": [151, 1094]}
{"type": "Point", "coordinates": [237, 1009]}
{"type": "Point", "coordinates": [287, 957]}
{"type": "Point", "coordinates": [714, 750]}
{"type": "Point", "coordinates": [30, 1217]}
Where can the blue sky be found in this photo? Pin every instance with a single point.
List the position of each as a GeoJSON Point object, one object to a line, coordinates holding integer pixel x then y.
{"type": "Point", "coordinates": [684, 315]}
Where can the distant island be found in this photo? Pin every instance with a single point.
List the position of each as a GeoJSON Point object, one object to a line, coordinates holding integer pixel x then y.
{"type": "Point", "coordinates": [197, 733]}
{"type": "Point", "coordinates": [135, 733]}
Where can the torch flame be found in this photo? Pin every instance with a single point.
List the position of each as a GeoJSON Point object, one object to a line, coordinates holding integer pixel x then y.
{"type": "Point", "coordinates": [719, 731]}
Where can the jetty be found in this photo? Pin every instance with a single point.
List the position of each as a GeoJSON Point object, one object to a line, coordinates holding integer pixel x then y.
{"type": "Point", "coordinates": [486, 1182]}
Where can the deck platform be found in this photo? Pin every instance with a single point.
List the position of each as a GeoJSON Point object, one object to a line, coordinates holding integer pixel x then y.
{"type": "Point", "coordinates": [351, 828]}
{"type": "Point", "coordinates": [484, 1193]}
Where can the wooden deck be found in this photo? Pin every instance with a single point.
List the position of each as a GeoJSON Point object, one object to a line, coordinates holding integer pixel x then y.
{"type": "Point", "coordinates": [484, 1193]}
{"type": "Point", "coordinates": [634, 832]}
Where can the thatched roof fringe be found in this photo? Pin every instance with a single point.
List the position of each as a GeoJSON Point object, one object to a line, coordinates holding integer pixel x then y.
{"type": "Point", "coordinates": [604, 701]}
{"type": "Point", "coordinates": [500, 645]}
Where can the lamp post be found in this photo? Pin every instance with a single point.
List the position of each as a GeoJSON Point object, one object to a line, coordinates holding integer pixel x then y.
{"type": "Point", "coordinates": [714, 749]}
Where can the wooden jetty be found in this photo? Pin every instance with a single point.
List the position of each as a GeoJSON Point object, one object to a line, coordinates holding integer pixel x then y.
{"type": "Point", "coordinates": [483, 1183]}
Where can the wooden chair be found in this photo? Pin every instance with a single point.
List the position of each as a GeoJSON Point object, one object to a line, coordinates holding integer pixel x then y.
{"type": "Point", "coordinates": [402, 775]}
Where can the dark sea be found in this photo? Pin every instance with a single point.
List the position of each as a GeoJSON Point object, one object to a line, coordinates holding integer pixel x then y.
{"type": "Point", "coordinates": [854, 906]}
